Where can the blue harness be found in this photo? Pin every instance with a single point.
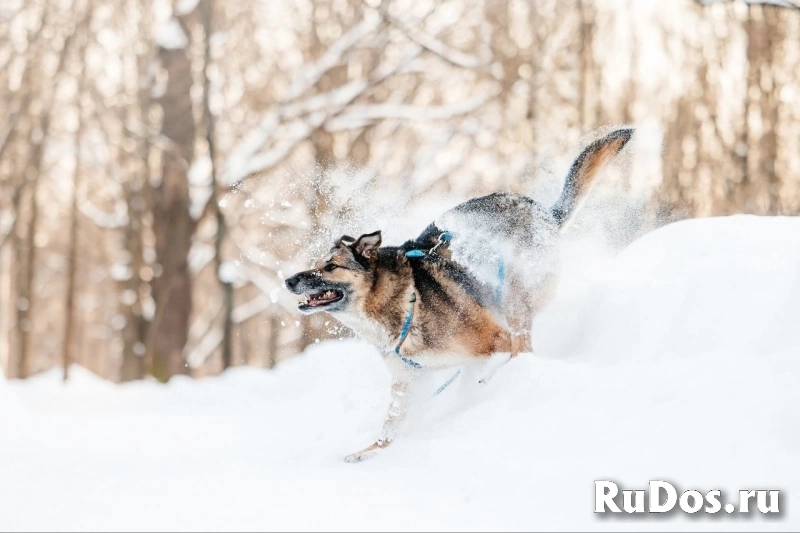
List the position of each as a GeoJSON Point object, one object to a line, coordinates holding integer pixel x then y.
{"type": "Point", "coordinates": [404, 334]}
{"type": "Point", "coordinates": [416, 253]}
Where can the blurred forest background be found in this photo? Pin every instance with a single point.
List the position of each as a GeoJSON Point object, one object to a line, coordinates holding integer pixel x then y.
{"type": "Point", "coordinates": [163, 163]}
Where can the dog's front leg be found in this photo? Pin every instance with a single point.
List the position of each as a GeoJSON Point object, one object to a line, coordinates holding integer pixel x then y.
{"type": "Point", "coordinates": [398, 408]}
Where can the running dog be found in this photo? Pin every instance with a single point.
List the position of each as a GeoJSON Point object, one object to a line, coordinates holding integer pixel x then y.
{"type": "Point", "coordinates": [466, 289]}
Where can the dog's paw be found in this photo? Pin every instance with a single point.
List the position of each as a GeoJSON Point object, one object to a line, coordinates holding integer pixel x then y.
{"type": "Point", "coordinates": [485, 378]}
{"type": "Point", "coordinates": [367, 452]}
{"type": "Point", "coordinates": [359, 457]}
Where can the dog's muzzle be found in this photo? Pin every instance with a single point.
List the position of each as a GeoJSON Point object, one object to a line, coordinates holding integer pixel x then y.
{"type": "Point", "coordinates": [316, 294]}
{"type": "Point", "coordinates": [292, 283]}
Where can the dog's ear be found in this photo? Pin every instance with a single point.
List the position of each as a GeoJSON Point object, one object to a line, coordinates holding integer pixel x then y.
{"type": "Point", "coordinates": [368, 244]}
{"type": "Point", "coordinates": [344, 240]}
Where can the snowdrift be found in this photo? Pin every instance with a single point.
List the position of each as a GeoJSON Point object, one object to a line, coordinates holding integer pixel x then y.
{"type": "Point", "coordinates": [8, 403]}
{"type": "Point", "coordinates": [678, 360]}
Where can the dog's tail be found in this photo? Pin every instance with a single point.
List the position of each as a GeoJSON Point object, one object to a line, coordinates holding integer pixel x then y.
{"type": "Point", "coordinates": [583, 171]}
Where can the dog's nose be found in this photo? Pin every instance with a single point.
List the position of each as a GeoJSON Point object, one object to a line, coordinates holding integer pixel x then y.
{"type": "Point", "coordinates": [291, 283]}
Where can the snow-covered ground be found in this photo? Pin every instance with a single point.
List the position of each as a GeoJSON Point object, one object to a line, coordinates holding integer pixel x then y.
{"type": "Point", "coordinates": [677, 359]}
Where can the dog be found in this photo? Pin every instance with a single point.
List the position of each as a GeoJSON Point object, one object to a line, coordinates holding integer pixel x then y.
{"type": "Point", "coordinates": [466, 289]}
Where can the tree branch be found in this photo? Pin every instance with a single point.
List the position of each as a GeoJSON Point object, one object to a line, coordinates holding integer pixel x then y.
{"type": "Point", "coordinates": [789, 4]}
{"type": "Point", "coordinates": [358, 115]}
{"type": "Point", "coordinates": [450, 55]}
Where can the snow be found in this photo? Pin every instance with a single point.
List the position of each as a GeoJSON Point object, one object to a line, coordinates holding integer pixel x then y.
{"type": "Point", "coordinates": [199, 173]}
{"type": "Point", "coordinates": [184, 7]}
{"type": "Point", "coordinates": [170, 35]}
{"type": "Point", "coordinates": [9, 407]}
{"type": "Point", "coordinates": [675, 359]}
{"type": "Point", "coordinates": [228, 272]}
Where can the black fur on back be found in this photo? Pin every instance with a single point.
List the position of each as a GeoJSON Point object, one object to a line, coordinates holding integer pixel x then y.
{"type": "Point", "coordinates": [423, 267]}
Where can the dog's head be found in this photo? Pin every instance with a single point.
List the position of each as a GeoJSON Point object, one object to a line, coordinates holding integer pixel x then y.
{"type": "Point", "coordinates": [341, 278]}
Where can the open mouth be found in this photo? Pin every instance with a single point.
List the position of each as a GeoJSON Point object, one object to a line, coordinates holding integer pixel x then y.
{"type": "Point", "coordinates": [320, 299]}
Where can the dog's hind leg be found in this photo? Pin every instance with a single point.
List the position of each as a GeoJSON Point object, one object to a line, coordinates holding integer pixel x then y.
{"type": "Point", "coordinates": [522, 306]}
{"type": "Point", "coordinates": [496, 360]}
{"type": "Point", "coordinates": [517, 336]}
{"type": "Point", "coordinates": [398, 408]}
{"type": "Point", "coordinates": [519, 311]}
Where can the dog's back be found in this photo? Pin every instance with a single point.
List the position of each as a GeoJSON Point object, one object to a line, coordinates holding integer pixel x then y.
{"type": "Point", "coordinates": [509, 241]}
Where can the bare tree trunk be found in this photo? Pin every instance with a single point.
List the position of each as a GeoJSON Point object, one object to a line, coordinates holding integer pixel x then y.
{"type": "Point", "coordinates": [226, 284]}
{"type": "Point", "coordinates": [586, 76]}
{"type": "Point", "coordinates": [135, 328]}
{"type": "Point", "coordinates": [173, 225]}
{"type": "Point", "coordinates": [503, 46]}
{"type": "Point", "coordinates": [15, 251]}
{"type": "Point", "coordinates": [629, 96]}
{"type": "Point", "coordinates": [274, 338]}
{"type": "Point", "coordinates": [771, 36]}
{"type": "Point", "coordinates": [752, 84]}
{"type": "Point", "coordinates": [138, 194]}
{"type": "Point", "coordinates": [27, 272]}
{"type": "Point", "coordinates": [134, 332]}
{"type": "Point", "coordinates": [760, 190]}
{"type": "Point", "coordinates": [72, 254]}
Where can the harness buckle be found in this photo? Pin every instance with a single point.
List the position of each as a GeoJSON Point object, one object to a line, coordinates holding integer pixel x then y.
{"type": "Point", "coordinates": [444, 238]}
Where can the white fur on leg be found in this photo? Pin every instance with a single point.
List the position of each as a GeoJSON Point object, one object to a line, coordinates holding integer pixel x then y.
{"type": "Point", "coordinates": [398, 409]}
{"type": "Point", "coordinates": [366, 453]}
{"type": "Point", "coordinates": [495, 361]}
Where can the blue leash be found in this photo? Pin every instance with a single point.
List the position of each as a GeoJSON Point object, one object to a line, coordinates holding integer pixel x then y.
{"type": "Point", "coordinates": [404, 332]}
{"type": "Point", "coordinates": [447, 383]}
{"type": "Point", "coordinates": [443, 238]}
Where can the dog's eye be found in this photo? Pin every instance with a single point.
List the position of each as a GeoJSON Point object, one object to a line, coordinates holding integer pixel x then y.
{"type": "Point", "coordinates": [330, 267]}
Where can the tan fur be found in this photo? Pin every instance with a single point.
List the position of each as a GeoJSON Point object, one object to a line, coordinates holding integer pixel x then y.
{"type": "Point", "coordinates": [468, 328]}
{"type": "Point", "coordinates": [584, 169]}
{"type": "Point", "coordinates": [596, 160]}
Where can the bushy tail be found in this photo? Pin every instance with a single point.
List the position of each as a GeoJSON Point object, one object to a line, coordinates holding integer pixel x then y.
{"type": "Point", "coordinates": [583, 171]}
